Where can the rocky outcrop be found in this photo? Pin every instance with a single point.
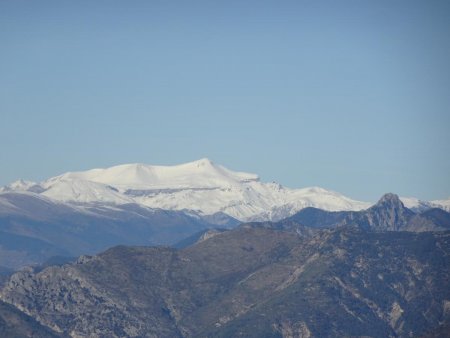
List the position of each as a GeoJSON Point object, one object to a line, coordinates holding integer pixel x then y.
{"type": "Point", "coordinates": [388, 214]}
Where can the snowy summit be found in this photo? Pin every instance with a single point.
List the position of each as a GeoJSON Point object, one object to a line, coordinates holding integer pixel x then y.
{"type": "Point", "coordinates": [201, 186]}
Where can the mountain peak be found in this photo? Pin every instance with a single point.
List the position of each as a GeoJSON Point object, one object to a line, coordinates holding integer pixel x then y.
{"type": "Point", "coordinates": [203, 162]}
{"type": "Point", "coordinates": [391, 199]}
{"type": "Point", "coordinates": [201, 186]}
{"type": "Point", "coordinates": [388, 214]}
{"type": "Point", "coordinates": [200, 174]}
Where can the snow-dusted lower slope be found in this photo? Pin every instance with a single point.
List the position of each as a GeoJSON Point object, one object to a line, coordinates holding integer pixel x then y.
{"type": "Point", "coordinates": [82, 191]}
{"type": "Point", "coordinates": [201, 186]}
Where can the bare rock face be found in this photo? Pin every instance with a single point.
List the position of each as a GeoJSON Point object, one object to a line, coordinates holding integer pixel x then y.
{"type": "Point", "coordinates": [252, 282]}
{"type": "Point", "coordinates": [389, 214]}
{"type": "Point", "coordinates": [83, 300]}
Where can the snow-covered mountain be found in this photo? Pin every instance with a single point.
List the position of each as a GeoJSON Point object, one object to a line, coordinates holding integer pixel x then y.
{"type": "Point", "coordinates": [418, 205]}
{"type": "Point", "coordinates": [442, 204]}
{"type": "Point", "coordinates": [201, 187]}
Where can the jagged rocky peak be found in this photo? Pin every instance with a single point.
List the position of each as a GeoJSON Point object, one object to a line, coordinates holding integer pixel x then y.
{"type": "Point", "coordinates": [390, 199]}
{"type": "Point", "coordinates": [388, 214]}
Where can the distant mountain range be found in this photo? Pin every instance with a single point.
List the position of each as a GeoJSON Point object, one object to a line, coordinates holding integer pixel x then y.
{"type": "Point", "coordinates": [201, 187]}
{"type": "Point", "coordinates": [135, 204]}
{"type": "Point", "coordinates": [388, 214]}
{"type": "Point", "coordinates": [333, 268]}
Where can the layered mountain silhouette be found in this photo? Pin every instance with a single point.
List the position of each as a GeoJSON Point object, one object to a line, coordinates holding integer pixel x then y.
{"type": "Point", "coordinates": [380, 272]}
{"type": "Point", "coordinates": [33, 229]}
{"type": "Point", "coordinates": [346, 270]}
{"type": "Point", "coordinates": [138, 204]}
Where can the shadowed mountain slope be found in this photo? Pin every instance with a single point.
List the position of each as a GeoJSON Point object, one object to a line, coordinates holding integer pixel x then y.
{"type": "Point", "coordinates": [253, 282]}
{"type": "Point", "coordinates": [34, 228]}
{"type": "Point", "coordinates": [15, 324]}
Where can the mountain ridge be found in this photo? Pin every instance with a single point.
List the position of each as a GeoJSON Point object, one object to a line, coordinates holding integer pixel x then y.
{"type": "Point", "coordinates": [201, 186]}
{"type": "Point", "coordinates": [388, 214]}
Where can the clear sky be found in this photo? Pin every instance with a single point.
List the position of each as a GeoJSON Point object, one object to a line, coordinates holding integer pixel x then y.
{"type": "Point", "coordinates": [352, 96]}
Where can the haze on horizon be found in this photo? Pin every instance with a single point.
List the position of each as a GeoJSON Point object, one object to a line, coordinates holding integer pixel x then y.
{"type": "Point", "coordinates": [349, 96]}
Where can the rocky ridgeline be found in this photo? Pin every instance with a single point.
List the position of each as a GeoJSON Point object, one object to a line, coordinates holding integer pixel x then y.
{"type": "Point", "coordinates": [388, 214]}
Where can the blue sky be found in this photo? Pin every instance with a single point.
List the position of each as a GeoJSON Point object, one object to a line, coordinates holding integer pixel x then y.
{"type": "Point", "coordinates": [352, 96]}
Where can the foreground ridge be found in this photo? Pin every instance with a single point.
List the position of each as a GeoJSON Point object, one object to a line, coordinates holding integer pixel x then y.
{"type": "Point", "coordinates": [251, 281]}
